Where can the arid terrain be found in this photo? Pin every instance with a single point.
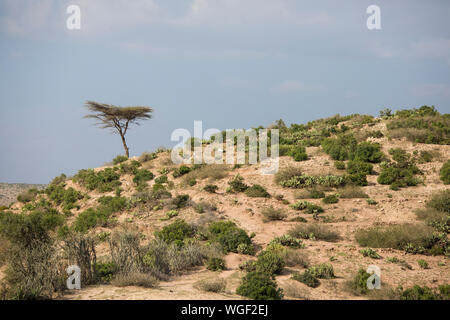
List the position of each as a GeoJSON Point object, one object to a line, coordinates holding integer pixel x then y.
{"type": "Point", "coordinates": [380, 207]}
{"type": "Point", "coordinates": [10, 191]}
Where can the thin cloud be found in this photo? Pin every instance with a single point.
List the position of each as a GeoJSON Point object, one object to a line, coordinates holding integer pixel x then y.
{"type": "Point", "coordinates": [431, 90]}
{"type": "Point", "coordinates": [296, 86]}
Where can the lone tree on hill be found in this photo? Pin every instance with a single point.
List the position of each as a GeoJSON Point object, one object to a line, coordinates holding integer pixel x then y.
{"type": "Point", "coordinates": [117, 118]}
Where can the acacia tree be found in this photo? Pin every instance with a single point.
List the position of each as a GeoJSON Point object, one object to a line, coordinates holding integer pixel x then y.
{"type": "Point", "coordinates": [117, 118]}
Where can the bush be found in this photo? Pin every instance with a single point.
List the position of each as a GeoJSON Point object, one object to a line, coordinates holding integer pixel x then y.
{"type": "Point", "coordinates": [271, 214]}
{"type": "Point", "coordinates": [307, 278]}
{"type": "Point", "coordinates": [314, 232]}
{"type": "Point", "coordinates": [92, 217]}
{"type": "Point", "coordinates": [103, 181]}
{"type": "Point", "coordinates": [180, 201]}
{"type": "Point", "coordinates": [340, 148]}
{"type": "Point", "coordinates": [215, 264]}
{"type": "Point", "coordinates": [358, 285]}
{"type": "Point", "coordinates": [322, 271]}
{"type": "Point", "coordinates": [182, 170]}
{"type": "Point", "coordinates": [257, 191]}
{"type": "Point", "coordinates": [237, 184]}
{"type": "Point", "coordinates": [440, 201]}
{"type": "Point", "coordinates": [211, 285]}
{"type": "Point", "coordinates": [352, 192]}
{"type": "Point", "coordinates": [412, 238]}
{"type": "Point", "coordinates": [332, 198]}
{"type": "Point", "coordinates": [119, 159]}
{"type": "Point", "coordinates": [28, 196]}
{"type": "Point", "coordinates": [368, 252]}
{"type": "Point", "coordinates": [80, 250]}
{"type": "Point", "coordinates": [423, 264]}
{"type": "Point", "coordinates": [259, 286]}
{"type": "Point", "coordinates": [105, 271]}
{"type": "Point", "coordinates": [211, 188]}
{"type": "Point", "coordinates": [401, 173]}
{"type": "Point", "coordinates": [311, 181]}
{"type": "Point", "coordinates": [129, 168]}
{"type": "Point", "coordinates": [308, 206]}
{"type": "Point", "coordinates": [340, 165]}
{"type": "Point", "coordinates": [138, 279]}
{"type": "Point", "coordinates": [287, 174]}
{"type": "Point", "coordinates": [358, 179]}
{"type": "Point", "coordinates": [161, 179]}
{"type": "Point", "coordinates": [445, 172]}
{"type": "Point", "coordinates": [141, 177]}
{"type": "Point", "coordinates": [299, 154]}
{"type": "Point", "coordinates": [212, 172]}
{"type": "Point", "coordinates": [357, 166]}
{"type": "Point", "coordinates": [228, 235]}
{"type": "Point", "coordinates": [368, 152]}
{"type": "Point", "coordinates": [288, 241]}
{"type": "Point", "coordinates": [65, 197]}
{"type": "Point", "coordinates": [176, 232]}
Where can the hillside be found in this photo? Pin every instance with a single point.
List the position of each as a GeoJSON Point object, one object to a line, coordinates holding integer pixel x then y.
{"type": "Point", "coordinates": [10, 191]}
{"type": "Point", "coordinates": [351, 191]}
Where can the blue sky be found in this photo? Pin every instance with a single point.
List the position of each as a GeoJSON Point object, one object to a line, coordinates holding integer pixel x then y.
{"type": "Point", "coordinates": [229, 63]}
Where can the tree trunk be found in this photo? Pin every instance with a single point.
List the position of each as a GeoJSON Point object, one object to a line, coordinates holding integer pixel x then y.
{"type": "Point", "coordinates": [127, 151]}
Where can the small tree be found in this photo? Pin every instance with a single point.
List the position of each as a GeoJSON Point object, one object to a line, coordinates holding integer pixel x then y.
{"type": "Point", "coordinates": [118, 118]}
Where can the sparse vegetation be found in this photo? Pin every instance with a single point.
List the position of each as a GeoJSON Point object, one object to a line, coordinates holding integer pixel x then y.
{"type": "Point", "coordinates": [271, 214]}
{"type": "Point", "coordinates": [259, 286]}
{"type": "Point", "coordinates": [445, 172]}
{"type": "Point", "coordinates": [314, 232]}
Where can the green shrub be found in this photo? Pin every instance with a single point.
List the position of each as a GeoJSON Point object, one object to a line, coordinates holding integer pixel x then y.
{"type": "Point", "coordinates": [142, 176]}
{"type": "Point", "coordinates": [423, 264]}
{"type": "Point", "coordinates": [180, 201]}
{"type": "Point", "coordinates": [371, 202]}
{"type": "Point", "coordinates": [215, 264]}
{"type": "Point", "coordinates": [119, 159]}
{"type": "Point", "coordinates": [211, 285]}
{"type": "Point", "coordinates": [418, 293]}
{"type": "Point", "coordinates": [270, 262]}
{"type": "Point", "coordinates": [352, 192]}
{"type": "Point", "coordinates": [340, 148]}
{"type": "Point", "coordinates": [237, 184]}
{"type": "Point", "coordinates": [105, 271]}
{"type": "Point", "coordinates": [401, 173]}
{"type": "Point", "coordinates": [259, 286]}
{"type": "Point", "coordinates": [308, 206]}
{"type": "Point", "coordinates": [332, 198]}
{"type": "Point", "coordinates": [369, 252]}
{"type": "Point", "coordinates": [211, 188]}
{"type": "Point", "coordinates": [305, 181]}
{"type": "Point", "coordinates": [314, 232]}
{"type": "Point", "coordinates": [161, 179]}
{"type": "Point", "coordinates": [445, 172]}
{"type": "Point", "coordinates": [288, 173]}
{"type": "Point", "coordinates": [65, 197]}
{"type": "Point", "coordinates": [182, 170]}
{"type": "Point", "coordinates": [228, 235]}
{"type": "Point", "coordinates": [299, 154]}
{"type": "Point", "coordinates": [316, 194]}
{"type": "Point", "coordinates": [271, 214]}
{"type": "Point", "coordinates": [100, 216]}
{"type": "Point", "coordinates": [358, 285]}
{"type": "Point", "coordinates": [104, 180]}
{"type": "Point", "coordinates": [307, 278]}
{"type": "Point", "coordinates": [257, 191]}
{"type": "Point", "coordinates": [322, 271]}
{"type": "Point", "coordinates": [129, 167]}
{"type": "Point", "coordinates": [288, 241]}
{"type": "Point", "coordinates": [368, 152]}
{"type": "Point", "coordinates": [412, 238]}
{"type": "Point", "coordinates": [176, 232]}
{"type": "Point", "coordinates": [28, 196]}
{"type": "Point", "coordinates": [440, 201]}
{"type": "Point", "coordinates": [423, 125]}
{"type": "Point", "coordinates": [340, 165]}
{"type": "Point", "coordinates": [357, 166]}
